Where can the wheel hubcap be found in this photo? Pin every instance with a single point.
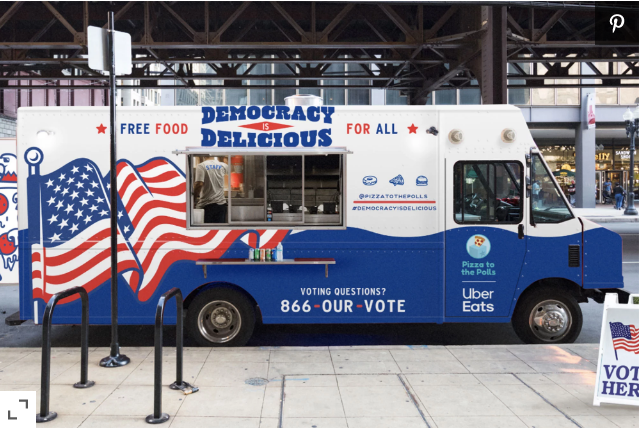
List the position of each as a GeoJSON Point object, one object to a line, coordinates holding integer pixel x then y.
{"type": "Point", "coordinates": [219, 321]}
{"type": "Point", "coordinates": [550, 320]}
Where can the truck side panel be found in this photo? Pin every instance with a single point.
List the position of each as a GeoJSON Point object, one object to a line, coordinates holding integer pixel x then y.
{"type": "Point", "coordinates": [389, 258]}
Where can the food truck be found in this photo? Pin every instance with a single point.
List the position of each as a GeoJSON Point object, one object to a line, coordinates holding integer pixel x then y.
{"type": "Point", "coordinates": [359, 214]}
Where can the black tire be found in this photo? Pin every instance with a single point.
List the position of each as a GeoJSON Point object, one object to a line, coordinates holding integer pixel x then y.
{"type": "Point", "coordinates": [235, 314]}
{"type": "Point", "coordinates": [547, 304]}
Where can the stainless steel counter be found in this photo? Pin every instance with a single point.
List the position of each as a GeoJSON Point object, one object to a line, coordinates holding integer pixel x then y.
{"type": "Point", "coordinates": [244, 202]}
{"type": "Point", "coordinates": [308, 218]}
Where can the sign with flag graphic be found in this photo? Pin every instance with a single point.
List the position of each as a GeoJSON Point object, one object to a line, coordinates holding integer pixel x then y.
{"type": "Point", "coordinates": [72, 246]}
{"type": "Point", "coordinates": [625, 337]}
{"type": "Point", "coordinates": [617, 373]}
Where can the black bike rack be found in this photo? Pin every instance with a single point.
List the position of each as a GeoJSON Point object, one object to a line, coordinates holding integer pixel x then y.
{"type": "Point", "coordinates": [158, 417]}
{"type": "Point", "coordinates": [45, 415]}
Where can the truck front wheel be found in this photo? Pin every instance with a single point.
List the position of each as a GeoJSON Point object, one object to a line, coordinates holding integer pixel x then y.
{"type": "Point", "coordinates": [221, 317]}
{"type": "Point", "coordinates": [547, 316]}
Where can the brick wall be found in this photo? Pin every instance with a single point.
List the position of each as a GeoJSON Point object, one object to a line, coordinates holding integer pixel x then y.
{"type": "Point", "coordinates": [7, 127]}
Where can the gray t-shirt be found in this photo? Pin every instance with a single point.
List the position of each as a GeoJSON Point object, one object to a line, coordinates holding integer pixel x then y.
{"type": "Point", "coordinates": [211, 173]}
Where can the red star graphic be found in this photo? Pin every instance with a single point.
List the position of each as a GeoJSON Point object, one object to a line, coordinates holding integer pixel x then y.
{"type": "Point", "coordinates": [412, 129]}
{"type": "Point", "coordinates": [101, 128]}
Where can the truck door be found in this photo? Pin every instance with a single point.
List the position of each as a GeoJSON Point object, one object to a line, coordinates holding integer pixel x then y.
{"type": "Point", "coordinates": [485, 236]}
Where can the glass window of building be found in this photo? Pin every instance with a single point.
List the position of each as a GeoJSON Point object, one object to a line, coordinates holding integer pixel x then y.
{"type": "Point", "coordinates": [260, 96]}
{"type": "Point", "coordinates": [518, 96]}
{"type": "Point", "coordinates": [544, 96]}
{"type": "Point", "coordinates": [569, 96]}
{"type": "Point", "coordinates": [211, 96]}
{"type": "Point", "coordinates": [628, 96]}
{"type": "Point", "coordinates": [281, 93]}
{"type": "Point", "coordinates": [334, 96]}
{"type": "Point", "coordinates": [237, 96]}
{"type": "Point", "coordinates": [606, 96]}
{"type": "Point", "coordinates": [487, 192]}
{"type": "Point", "coordinates": [471, 96]}
{"type": "Point", "coordinates": [394, 97]}
{"type": "Point", "coordinates": [185, 96]}
{"type": "Point", "coordinates": [445, 97]}
{"type": "Point", "coordinates": [357, 96]}
{"type": "Point", "coordinates": [312, 89]}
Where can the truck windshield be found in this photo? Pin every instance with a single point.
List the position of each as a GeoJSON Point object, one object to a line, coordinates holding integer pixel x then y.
{"type": "Point", "coordinates": [547, 204]}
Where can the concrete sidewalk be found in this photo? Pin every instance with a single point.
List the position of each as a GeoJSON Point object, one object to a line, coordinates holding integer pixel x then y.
{"type": "Point", "coordinates": [364, 386]}
{"type": "Point", "coordinates": [605, 214]}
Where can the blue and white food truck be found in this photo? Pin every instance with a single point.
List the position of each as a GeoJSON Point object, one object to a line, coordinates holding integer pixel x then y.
{"type": "Point", "coordinates": [384, 214]}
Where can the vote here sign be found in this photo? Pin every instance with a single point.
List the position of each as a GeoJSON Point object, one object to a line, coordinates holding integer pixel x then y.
{"type": "Point", "coordinates": [617, 374]}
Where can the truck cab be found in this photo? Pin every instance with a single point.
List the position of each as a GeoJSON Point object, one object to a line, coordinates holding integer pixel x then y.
{"type": "Point", "coordinates": [514, 247]}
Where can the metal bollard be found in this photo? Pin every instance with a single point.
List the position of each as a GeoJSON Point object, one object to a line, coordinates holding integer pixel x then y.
{"type": "Point", "coordinates": [45, 415]}
{"type": "Point", "coordinates": [158, 417]}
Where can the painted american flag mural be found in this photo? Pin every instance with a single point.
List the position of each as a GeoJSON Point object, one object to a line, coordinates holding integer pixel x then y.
{"type": "Point", "coordinates": [74, 246]}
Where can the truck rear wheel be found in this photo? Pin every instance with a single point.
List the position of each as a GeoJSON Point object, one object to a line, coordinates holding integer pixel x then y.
{"type": "Point", "coordinates": [221, 317]}
{"type": "Point", "coordinates": [547, 316]}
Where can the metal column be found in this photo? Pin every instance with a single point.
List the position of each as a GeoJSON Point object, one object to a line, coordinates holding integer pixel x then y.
{"type": "Point", "coordinates": [585, 150]}
{"type": "Point", "coordinates": [493, 76]}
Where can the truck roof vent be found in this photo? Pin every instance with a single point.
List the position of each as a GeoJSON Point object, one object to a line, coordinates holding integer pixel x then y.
{"type": "Point", "coordinates": [303, 100]}
{"type": "Point", "coordinates": [455, 136]}
{"type": "Point", "coordinates": [508, 136]}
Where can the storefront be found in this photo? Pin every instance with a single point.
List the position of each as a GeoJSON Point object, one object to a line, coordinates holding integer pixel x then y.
{"type": "Point", "coordinates": [612, 162]}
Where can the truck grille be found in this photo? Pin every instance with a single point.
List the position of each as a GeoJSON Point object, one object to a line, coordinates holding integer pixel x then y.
{"type": "Point", "coordinates": [574, 256]}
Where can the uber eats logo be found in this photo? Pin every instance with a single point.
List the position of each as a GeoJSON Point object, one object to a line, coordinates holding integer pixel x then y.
{"type": "Point", "coordinates": [271, 128]}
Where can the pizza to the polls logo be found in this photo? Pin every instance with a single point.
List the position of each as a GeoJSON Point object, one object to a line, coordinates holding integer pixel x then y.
{"type": "Point", "coordinates": [478, 246]}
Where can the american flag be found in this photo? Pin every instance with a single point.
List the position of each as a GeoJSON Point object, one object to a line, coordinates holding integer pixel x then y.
{"type": "Point", "coordinates": [154, 224]}
{"type": "Point", "coordinates": [74, 247]}
{"type": "Point", "coordinates": [625, 337]}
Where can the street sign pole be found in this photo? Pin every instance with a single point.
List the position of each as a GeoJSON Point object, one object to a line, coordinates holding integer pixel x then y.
{"type": "Point", "coordinates": [115, 359]}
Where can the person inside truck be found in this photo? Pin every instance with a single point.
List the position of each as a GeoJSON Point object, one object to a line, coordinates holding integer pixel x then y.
{"type": "Point", "coordinates": [208, 190]}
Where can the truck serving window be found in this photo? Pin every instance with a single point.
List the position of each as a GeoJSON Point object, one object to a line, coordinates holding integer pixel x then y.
{"type": "Point", "coordinates": [262, 190]}
{"type": "Point", "coordinates": [547, 203]}
{"type": "Point", "coordinates": [487, 192]}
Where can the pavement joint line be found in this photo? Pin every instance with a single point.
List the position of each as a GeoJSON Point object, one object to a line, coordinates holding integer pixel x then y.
{"type": "Point", "coordinates": [282, 395]}
{"type": "Point", "coordinates": [547, 401]}
{"type": "Point", "coordinates": [413, 399]}
{"type": "Point", "coordinates": [338, 387]}
{"type": "Point", "coordinates": [264, 399]}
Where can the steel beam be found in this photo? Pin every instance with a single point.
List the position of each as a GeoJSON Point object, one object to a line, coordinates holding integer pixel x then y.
{"type": "Point", "coordinates": [62, 20]}
{"type": "Point", "coordinates": [335, 21]}
{"type": "Point", "coordinates": [292, 86]}
{"type": "Point", "coordinates": [234, 16]}
{"type": "Point", "coordinates": [10, 12]}
{"type": "Point", "coordinates": [121, 12]}
{"type": "Point", "coordinates": [395, 37]}
{"type": "Point", "coordinates": [37, 61]}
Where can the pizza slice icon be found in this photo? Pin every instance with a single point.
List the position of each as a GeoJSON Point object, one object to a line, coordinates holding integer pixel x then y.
{"type": "Point", "coordinates": [479, 241]}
